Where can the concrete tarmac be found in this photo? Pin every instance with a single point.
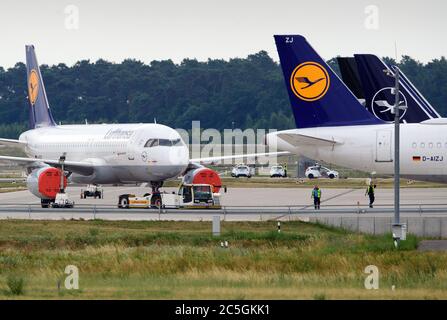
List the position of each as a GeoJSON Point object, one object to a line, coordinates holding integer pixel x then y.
{"type": "Point", "coordinates": [259, 197]}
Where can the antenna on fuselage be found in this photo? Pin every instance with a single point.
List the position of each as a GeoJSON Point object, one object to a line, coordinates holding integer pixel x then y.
{"type": "Point", "coordinates": [155, 120]}
{"type": "Point", "coordinates": [86, 121]}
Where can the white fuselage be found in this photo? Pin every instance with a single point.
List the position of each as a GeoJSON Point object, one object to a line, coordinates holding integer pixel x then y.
{"type": "Point", "coordinates": [118, 152]}
{"type": "Point", "coordinates": [370, 148]}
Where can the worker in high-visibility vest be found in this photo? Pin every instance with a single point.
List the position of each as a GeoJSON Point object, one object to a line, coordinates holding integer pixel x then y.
{"type": "Point", "coordinates": [316, 195]}
{"type": "Point", "coordinates": [370, 193]}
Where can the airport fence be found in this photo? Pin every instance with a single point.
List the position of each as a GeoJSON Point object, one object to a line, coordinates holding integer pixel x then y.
{"type": "Point", "coordinates": [421, 219]}
{"type": "Point", "coordinates": [292, 209]}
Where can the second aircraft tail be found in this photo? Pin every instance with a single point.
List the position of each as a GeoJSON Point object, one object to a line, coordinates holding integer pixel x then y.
{"type": "Point", "coordinates": [40, 114]}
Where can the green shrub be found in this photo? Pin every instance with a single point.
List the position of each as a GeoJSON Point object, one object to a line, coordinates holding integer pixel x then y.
{"type": "Point", "coordinates": [320, 296]}
{"type": "Point", "coordinates": [15, 285]}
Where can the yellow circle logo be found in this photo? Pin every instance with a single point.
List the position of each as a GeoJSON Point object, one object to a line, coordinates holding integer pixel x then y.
{"type": "Point", "coordinates": [33, 86]}
{"type": "Point", "coordinates": [309, 81]}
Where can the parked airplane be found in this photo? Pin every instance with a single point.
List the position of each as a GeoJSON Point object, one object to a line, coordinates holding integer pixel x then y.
{"type": "Point", "coordinates": [332, 126]}
{"type": "Point", "coordinates": [100, 153]}
{"type": "Point", "coordinates": [364, 75]}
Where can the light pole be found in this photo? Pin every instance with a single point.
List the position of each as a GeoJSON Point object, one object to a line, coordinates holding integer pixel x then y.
{"type": "Point", "coordinates": [397, 228]}
{"type": "Point", "coordinates": [396, 149]}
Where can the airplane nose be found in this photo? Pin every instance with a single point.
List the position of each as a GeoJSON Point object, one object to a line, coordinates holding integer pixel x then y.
{"type": "Point", "coordinates": [178, 156]}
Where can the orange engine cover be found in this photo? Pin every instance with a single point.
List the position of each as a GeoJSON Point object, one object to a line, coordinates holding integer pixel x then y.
{"type": "Point", "coordinates": [204, 176]}
{"type": "Point", "coordinates": [49, 182]}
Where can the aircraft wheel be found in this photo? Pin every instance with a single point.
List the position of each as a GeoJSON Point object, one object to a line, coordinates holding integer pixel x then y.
{"type": "Point", "coordinates": [45, 203]}
{"type": "Point", "coordinates": [124, 203]}
{"type": "Point", "coordinates": [156, 202]}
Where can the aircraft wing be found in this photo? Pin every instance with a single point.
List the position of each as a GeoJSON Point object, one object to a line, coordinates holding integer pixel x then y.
{"type": "Point", "coordinates": [301, 139]}
{"type": "Point", "coordinates": [238, 156]}
{"type": "Point", "coordinates": [13, 143]}
{"type": "Point", "coordinates": [84, 168]}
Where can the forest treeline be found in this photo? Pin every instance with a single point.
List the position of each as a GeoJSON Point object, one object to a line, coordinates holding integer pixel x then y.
{"type": "Point", "coordinates": [243, 92]}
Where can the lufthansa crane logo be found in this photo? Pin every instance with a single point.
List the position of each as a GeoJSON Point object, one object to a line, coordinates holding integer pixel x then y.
{"type": "Point", "coordinates": [382, 104]}
{"type": "Point", "coordinates": [33, 86]}
{"type": "Point", "coordinates": [309, 81]}
{"type": "Point", "coordinates": [144, 156]}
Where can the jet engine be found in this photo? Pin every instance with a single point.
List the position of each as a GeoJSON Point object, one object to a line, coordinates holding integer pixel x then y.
{"type": "Point", "coordinates": [203, 175]}
{"type": "Point", "coordinates": [44, 182]}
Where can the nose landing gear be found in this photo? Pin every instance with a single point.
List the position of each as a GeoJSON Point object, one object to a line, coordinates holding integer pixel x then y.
{"type": "Point", "coordinates": [156, 185]}
{"type": "Point", "coordinates": [156, 197]}
{"type": "Point", "coordinates": [149, 200]}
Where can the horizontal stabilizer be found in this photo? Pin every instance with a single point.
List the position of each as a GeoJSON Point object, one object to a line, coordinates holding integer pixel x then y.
{"type": "Point", "coordinates": [301, 139]}
{"type": "Point", "coordinates": [13, 143]}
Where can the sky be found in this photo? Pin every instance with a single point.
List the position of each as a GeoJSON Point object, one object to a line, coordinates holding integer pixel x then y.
{"type": "Point", "coordinates": [66, 31]}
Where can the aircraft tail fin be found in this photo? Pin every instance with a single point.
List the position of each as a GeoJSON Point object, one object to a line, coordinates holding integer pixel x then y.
{"type": "Point", "coordinates": [317, 96]}
{"type": "Point", "coordinates": [40, 114]}
{"type": "Point", "coordinates": [377, 86]}
{"type": "Point", "coordinates": [350, 75]}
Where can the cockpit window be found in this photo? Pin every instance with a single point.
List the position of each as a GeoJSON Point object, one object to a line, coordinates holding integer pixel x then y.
{"type": "Point", "coordinates": [163, 142]}
{"type": "Point", "coordinates": [177, 142]}
{"type": "Point", "coordinates": [151, 143]}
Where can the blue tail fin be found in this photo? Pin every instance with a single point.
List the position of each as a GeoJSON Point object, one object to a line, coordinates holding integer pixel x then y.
{"type": "Point", "coordinates": [350, 75]}
{"type": "Point", "coordinates": [318, 97]}
{"type": "Point", "coordinates": [40, 114]}
{"type": "Point", "coordinates": [379, 98]}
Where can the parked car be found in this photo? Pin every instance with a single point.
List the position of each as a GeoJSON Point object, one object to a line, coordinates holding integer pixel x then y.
{"type": "Point", "coordinates": [92, 190]}
{"type": "Point", "coordinates": [277, 171]}
{"type": "Point", "coordinates": [318, 171]}
{"type": "Point", "coordinates": [241, 170]}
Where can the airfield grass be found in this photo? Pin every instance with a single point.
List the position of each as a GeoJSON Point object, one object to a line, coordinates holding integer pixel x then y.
{"type": "Point", "coordinates": [182, 260]}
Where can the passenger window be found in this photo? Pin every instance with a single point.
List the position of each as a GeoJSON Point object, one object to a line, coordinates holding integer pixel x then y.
{"type": "Point", "coordinates": [422, 145]}
{"type": "Point", "coordinates": [439, 145]}
{"type": "Point", "coordinates": [414, 145]}
{"type": "Point", "coordinates": [430, 145]}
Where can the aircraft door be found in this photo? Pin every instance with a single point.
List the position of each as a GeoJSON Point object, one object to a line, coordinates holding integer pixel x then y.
{"type": "Point", "coordinates": [383, 146]}
{"type": "Point", "coordinates": [131, 146]}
